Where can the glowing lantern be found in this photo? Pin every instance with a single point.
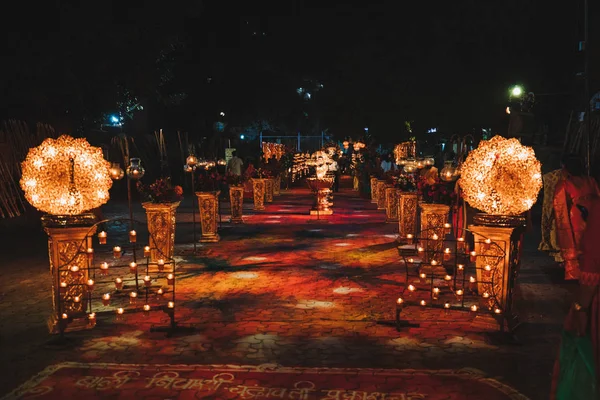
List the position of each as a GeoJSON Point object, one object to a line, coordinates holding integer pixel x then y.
{"type": "Point", "coordinates": [501, 177]}
{"type": "Point", "coordinates": [65, 176]}
{"type": "Point", "coordinates": [448, 173]}
{"type": "Point", "coordinates": [116, 172]}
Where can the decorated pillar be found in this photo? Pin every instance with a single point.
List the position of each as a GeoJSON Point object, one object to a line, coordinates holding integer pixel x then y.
{"type": "Point", "coordinates": [373, 190]}
{"type": "Point", "coordinates": [208, 204]}
{"type": "Point", "coordinates": [68, 240]}
{"type": "Point", "coordinates": [497, 251]}
{"type": "Point", "coordinates": [236, 199]}
{"type": "Point", "coordinates": [269, 190]}
{"type": "Point", "coordinates": [433, 218]}
{"type": "Point", "coordinates": [161, 219]}
{"type": "Point", "coordinates": [407, 214]}
{"type": "Point", "coordinates": [258, 188]}
{"type": "Point", "coordinates": [391, 204]}
{"type": "Point", "coordinates": [381, 186]}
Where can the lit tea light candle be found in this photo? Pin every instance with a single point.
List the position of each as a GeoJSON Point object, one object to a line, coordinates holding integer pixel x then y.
{"type": "Point", "coordinates": [65, 316]}
{"type": "Point", "coordinates": [435, 293]}
{"type": "Point", "coordinates": [497, 311]}
{"type": "Point", "coordinates": [448, 277]}
{"type": "Point", "coordinates": [161, 264]}
{"type": "Point", "coordinates": [92, 319]}
{"type": "Point", "coordinates": [446, 305]}
{"type": "Point", "coordinates": [74, 270]}
{"type": "Point", "coordinates": [411, 288]}
{"type": "Point", "coordinates": [474, 308]}
{"type": "Point", "coordinates": [102, 237]}
{"type": "Point", "coordinates": [120, 312]}
{"type": "Point", "coordinates": [422, 275]}
{"type": "Point", "coordinates": [133, 297]}
{"type": "Point", "coordinates": [104, 268]}
{"type": "Point", "coordinates": [146, 251]}
{"type": "Point", "coordinates": [447, 254]}
{"type": "Point", "coordinates": [447, 228]}
{"type": "Point", "coordinates": [473, 257]}
{"type": "Point", "coordinates": [171, 304]}
{"type": "Point", "coordinates": [472, 284]}
{"type": "Point", "coordinates": [460, 243]}
{"type": "Point", "coordinates": [132, 236]}
{"type": "Point", "coordinates": [105, 299]}
{"type": "Point", "coordinates": [487, 268]}
{"type": "Point", "coordinates": [90, 284]}
{"type": "Point", "coordinates": [160, 292]}
{"type": "Point", "coordinates": [459, 292]}
{"type": "Point", "coordinates": [486, 244]}
{"type": "Point", "coordinates": [90, 253]}
{"type": "Point", "coordinates": [409, 236]}
{"type": "Point", "coordinates": [485, 295]}
{"type": "Point", "coordinates": [400, 301]}
{"type": "Point", "coordinates": [76, 299]}
{"type": "Point", "coordinates": [147, 281]}
{"type": "Point", "coordinates": [146, 309]}
{"type": "Point", "coordinates": [411, 260]}
{"type": "Point", "coordinates": [117, 252]}
{"type": "Point", "coordinates": [119, 283]}
{"type": "Point", "coordinates": [170, 279]}
{"type": "Point", "coordinates": [460, 267]}
{"type": "Point", "coordinates": [433, 263]}
{"type": "Point", "coordinates": [435, 236]}
{"type": "Point", "coordinates": [132, 267]}
{"type": "Point", "coordinates": [420, 249]}
{"type": "Point", "coordinates": [423, 303]}
{"type": "Point", "coordinates": [62, 287]}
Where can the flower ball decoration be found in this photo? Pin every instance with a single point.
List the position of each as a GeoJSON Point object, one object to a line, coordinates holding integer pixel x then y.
{"type": "Point", "coordinates": [501, 177]}
{"type": "Point", "coordinates": [65, 176]}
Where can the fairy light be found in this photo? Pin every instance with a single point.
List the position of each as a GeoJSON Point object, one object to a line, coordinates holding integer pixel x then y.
{"type": "Point", "coordinates": [501, 177]}
{"type": "Point", "coordinates": [65, 176]}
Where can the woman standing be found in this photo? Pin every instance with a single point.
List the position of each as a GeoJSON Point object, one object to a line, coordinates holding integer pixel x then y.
{"type": "Point", "coordinates": [574, 189]}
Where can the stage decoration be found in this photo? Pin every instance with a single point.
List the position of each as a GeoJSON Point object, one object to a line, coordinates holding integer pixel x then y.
{"type": "Point", "coordinates": [501, 177]}
{"type": "Point", "coordinates": [405, 151]}
{"type": "Point", "coordinates": [272, 150]}
{"type": "Point", "coordinates": [208, 204]}
{"type": "Point", "coordinates": [65, 176]}
{"type": "Point", "coordinates": [321, 161]}
{"type": "Point", "coordinates": [321, 187]}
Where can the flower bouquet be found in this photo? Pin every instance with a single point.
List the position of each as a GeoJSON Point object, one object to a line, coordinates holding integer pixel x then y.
{"type": "Point", "coordinates": [235, 180]}
{"type": "Point", "coordinates": [436, 192]}
{"type": "Point", "coordinates": [210, 181]}
{"type": "Point", "coordinates": [263, 173]}
{"type": "Point", "coordinates": [406, 183]}
{"type": "Point", "coordinates": [161, 191]}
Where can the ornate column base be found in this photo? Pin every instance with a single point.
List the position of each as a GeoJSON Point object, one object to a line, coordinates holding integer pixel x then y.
{"type": "Point", "coordinates": [269, 190]}
{"type": "Point", "coordinates": [373, 190]}
{"type": "Point", "coordinates": [208, 204]}
{"type": "Point", "coordinates": [391, 205]}
{"type": "Point", "coordinates": [236, 199]}
{"type": "Point", "coordinates": [407, 215]}
{"type": "Point", "coordinates": [498, 262]}
{"type": "Point", "coordinates": [258, 189]}
{"type": "Point", "coordinates": [68, 239]}
{"type": "Point", "coordinates": [381, 186]}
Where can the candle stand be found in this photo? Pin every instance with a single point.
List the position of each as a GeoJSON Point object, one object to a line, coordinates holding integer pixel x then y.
{"type": "Point", "coordinates": [89, 283]}
{"type": "Point", "coordinates": [467, 285]}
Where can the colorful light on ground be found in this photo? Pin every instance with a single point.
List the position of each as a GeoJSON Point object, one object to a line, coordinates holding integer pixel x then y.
{"type": "Point", "coordinates": [65, 176]}
{"type": "Point", "coordinates": [501, 177]}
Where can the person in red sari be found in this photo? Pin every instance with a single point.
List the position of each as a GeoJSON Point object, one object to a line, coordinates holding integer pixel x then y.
{"type": "Point", "coordinates": [583, 318]}
{"type": "Point", "coordinates": [574, 189]}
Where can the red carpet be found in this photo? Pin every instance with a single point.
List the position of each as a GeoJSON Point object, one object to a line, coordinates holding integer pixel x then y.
{"type": "Point", "coordinates": [122, 381]}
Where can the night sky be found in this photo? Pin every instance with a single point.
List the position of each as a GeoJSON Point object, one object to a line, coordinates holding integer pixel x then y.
{"type": "Point", "coordinates": [444, 64]}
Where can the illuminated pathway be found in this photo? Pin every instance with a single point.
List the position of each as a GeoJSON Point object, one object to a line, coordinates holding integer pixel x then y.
{"type": "Point", "coordinates": [283, 289]}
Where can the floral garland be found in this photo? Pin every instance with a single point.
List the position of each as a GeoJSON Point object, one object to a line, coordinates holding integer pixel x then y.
{"type": "Point", "coordinates": [161, 191]}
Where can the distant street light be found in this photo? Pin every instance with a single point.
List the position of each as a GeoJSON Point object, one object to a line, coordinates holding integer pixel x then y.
{"type": "Point", "coordinates": [222, 114]}
{"type": "Point", "coordinates": [516, 91]}
{"type": "Point", "coordinates": [242, 136]}
{"type": "Point", "coordinates": [508, 110]}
